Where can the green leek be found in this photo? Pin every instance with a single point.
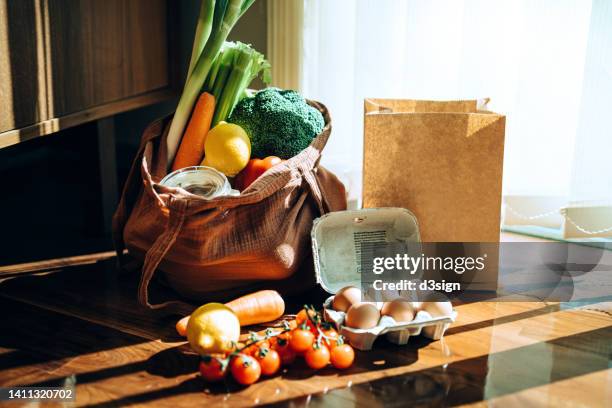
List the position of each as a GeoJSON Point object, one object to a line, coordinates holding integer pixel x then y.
{"type": "Point", "coordinates": [203, 30]}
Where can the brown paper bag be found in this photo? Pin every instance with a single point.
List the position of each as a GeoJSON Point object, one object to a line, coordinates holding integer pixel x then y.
{"type": "Point", "coordinates": [441, 160]}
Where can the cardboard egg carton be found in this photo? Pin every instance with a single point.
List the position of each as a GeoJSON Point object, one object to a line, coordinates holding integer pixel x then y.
{"type": "Point", "coordinates": [336, 239]}
{"type": "Point", "coordinates": [397, 333]}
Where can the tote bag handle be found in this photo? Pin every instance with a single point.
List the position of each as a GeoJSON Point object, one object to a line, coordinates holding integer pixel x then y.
{"type": "Point", "coordinates": [177, 212]}
{"type": "Point", "coordinates": [132, 187]}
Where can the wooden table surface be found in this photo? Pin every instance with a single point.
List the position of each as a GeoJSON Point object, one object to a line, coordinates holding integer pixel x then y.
{"type": "Point", "coordinates": [82, 327]}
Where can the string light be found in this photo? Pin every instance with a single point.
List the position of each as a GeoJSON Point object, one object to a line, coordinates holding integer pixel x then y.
{"type": "Point", "coordinates": [559, 211]}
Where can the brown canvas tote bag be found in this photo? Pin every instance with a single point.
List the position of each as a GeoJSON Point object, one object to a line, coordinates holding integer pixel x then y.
{"type": "Point", "coordinates": [213, 249]}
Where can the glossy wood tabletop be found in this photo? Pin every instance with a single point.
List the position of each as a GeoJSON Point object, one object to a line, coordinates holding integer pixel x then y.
{"type": "Point", "coordinates": [81, 326]}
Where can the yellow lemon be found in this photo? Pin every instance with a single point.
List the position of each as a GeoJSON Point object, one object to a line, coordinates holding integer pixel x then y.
{"type": "Point", "coordinates": [227, 149]}
{"type": "Point", "coordinates": [213, 328]}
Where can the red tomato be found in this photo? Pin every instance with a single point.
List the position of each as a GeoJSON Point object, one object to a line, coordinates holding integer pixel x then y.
{"type": "Point", "coordinates": [254, 348]}
{"type": "Point", "coordinates": [251, 350]}
{"type": "Point", "coordinates": [302, 318]}
{"type": "Point", "coordinates": [286, 354]}
{"type": "Point", "coordinates": [317, 357]}
{"type": "Point", "coordinates": [211, 369]}
{"type": "Point", "coordinates": [245, 369]}
{"type": "Point", "coordinates": [282, 338]}
{"type": "Point", "coordinates": [331, 337]}
{"type": "Point", "coordinates": [263, 344]}
{"type": "Point", "coordinates": [254, 169]}
{"type": "Point", "coordinates": [342, 356]}
{"type": "Point", "coordinates": [301, 340]}
{"type": "Point", "coordinates": [269, 360]}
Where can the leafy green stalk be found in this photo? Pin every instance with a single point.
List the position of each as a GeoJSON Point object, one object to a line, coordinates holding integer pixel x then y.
{"type": "Point", "coordinates": [212, 75]}
{"type": "Point", "coordinates": [203, 30]}
{"type": "Point", "coordinates": [225, 69]}
{"type": "Point", "coordinates": [232, 13]}
{"type": "Point", "coordinates": [245, 6]}
{"type": "Point", "coordinates": [220, 9]}
{"type": "Point", "coordinates": [230, 91]}
{"type": "Point", "coordinates": [229, 87]}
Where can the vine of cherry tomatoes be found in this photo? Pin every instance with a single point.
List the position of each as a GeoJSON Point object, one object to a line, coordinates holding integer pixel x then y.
{"type": "Point", "coordinates": [308, 336]}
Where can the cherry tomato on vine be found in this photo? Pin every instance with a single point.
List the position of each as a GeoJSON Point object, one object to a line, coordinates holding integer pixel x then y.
{"type": "Point", "coordinates": [286, 354]}
{"type": "Point", "coordinates": [331, 336]}
{"type": "Point", "coordinates": [269, 360]}
{"type": "Point", "coordinates": [245, 369]}
{"type": "Point", "coordinates": [212, 369]}
{"type": "Point", "coordinates": [303, 318]}
{"type": "Point", "coordinates": [254, 348]}
{"type": "Point", "coordinates": [301, 340]}
{"type": "Point", "coordinates": [303, 314]}
{"type": "Point", "coordinates": [283, 338]}
{"type": "Point", "coordinates": [250, 350]}
{"type": "Point", "coordinates": [342, 356]}
{"type": "Point", "coordinates": [317, 357]}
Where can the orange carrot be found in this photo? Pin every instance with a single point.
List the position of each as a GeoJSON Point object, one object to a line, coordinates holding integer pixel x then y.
{"type": "Point", "coordinates": [181, 326]}
{"type": "Point", "coordinates": [191, 150]}
{"type": "Point", "coordinates": [259, 307]}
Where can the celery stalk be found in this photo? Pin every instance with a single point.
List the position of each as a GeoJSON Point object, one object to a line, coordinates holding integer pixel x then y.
{"type": "Point", "coordinates": [246, 64]}
{"type": "Point", "coordinates": [231, 89]}
{"type": "Point", "coordinates": [212, 75]}
{"type": "Point", "coordinates": [225, 68]}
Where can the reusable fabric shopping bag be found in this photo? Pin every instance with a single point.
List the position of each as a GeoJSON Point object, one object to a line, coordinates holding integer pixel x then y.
{"type": "Point", "coordinates": [214, 249]}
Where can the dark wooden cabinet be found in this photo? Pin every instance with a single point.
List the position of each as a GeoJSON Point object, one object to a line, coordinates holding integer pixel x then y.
{"type": "Point", "coordinates": [67, 68]}
{"type": "Point", "coordinates": [66, 62]}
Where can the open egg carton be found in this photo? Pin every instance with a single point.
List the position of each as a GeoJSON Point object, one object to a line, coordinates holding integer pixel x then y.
{"type": "Point", "coordinates": [398, 333]}
{"type": "Point", "coordinates": [336, 239]}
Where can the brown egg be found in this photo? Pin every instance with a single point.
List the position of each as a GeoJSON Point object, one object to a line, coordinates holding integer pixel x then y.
{"type": "Point", "coordinates": [437, 309]}
{"type": "Point", "coordinates": [400, 310]}
{"type": "Point", "coordinates": [362, 316]}
{"type": "Point", "coordinates": [345, 298]}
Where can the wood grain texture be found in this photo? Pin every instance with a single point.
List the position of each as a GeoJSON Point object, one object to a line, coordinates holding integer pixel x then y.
{"type": "Point", "coordinates": [64, 62]}
{"type": "Point", "coordinates": [21, 67]}
{"type": "Point", "coordinates": [105, 51]}
{"type": "Point", "coordinates": [51, 264]}
{"type": "Point", "coordinates": [53, 125]}
{"type": "Point", "coordinates": [515, 354]}
{"type": "Point", "coordinates": [96, 293]}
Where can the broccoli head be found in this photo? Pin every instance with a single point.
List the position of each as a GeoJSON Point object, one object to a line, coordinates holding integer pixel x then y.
{"type": "Point", "coordinates": [279, 122]}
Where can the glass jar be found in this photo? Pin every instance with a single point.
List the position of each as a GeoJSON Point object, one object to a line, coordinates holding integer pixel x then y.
{"type": "Point", "coordinates": [203, 181]}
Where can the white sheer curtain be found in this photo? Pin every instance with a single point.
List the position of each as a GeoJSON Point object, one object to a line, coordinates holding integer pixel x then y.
{"type": "Point", "coordinates": [546, 64]}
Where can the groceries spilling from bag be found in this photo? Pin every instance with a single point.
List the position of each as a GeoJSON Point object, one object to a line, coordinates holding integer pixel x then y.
{"type": "Point", "coordinates": [238, 132]}
{"type": "Point", "coordinates": [247, 208]}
